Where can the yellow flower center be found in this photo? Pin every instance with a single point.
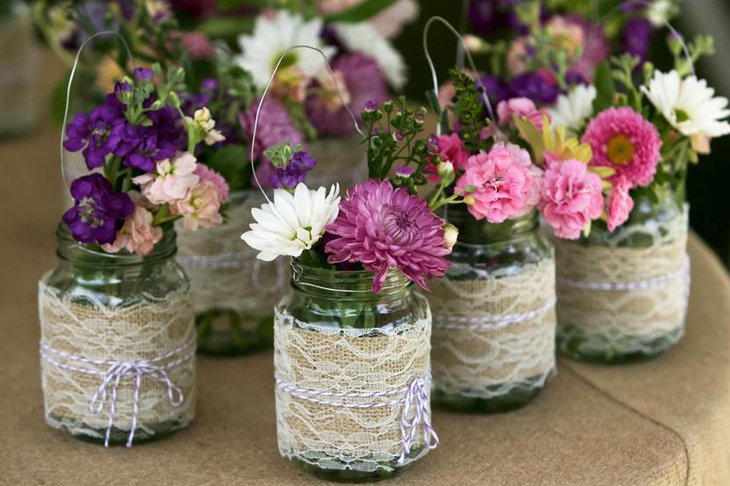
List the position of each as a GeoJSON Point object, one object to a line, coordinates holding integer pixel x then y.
{"type": "Point", "coordinates": [620, 150]}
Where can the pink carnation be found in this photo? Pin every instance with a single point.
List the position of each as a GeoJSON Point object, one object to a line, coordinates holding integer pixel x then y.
{"type": "Point", "coordinates": [623, 140]}
{"type": "Point", "coordinates": [207, 174]}
{"type": "Point", "coordinates": [571, 197]}
{"type": "Point", "coordinates": [520, 107]}
{"type": "Point", "coordinates": [200, 207]}
{"type": "Point", "coordinates": [382, 228]}
{"type": "Point", "coordinates": [450, 149]}
{"type": "Point", "coordinates": [137, 235]}
{"type": "Point", "coordinates": [503, 183]}
{"type": "Point", "coordinates": [618, 205]}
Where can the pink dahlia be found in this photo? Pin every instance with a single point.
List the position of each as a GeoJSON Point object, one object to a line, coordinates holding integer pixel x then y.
{"type": "Point", "coordinates": [363, 81]}
{"type": "Point", "coordinates": [500, 184]}
{"type": "Point", "coordinates": [207, 174]}
{"type": "Point", "coordinates": [520, 107]}
{"type": "Point", "coordinates": [571, 197]}
{"type": "Point", "coordinates": [618, 205]}
{"type": "Point", "coordinates": [382, 228]}
{"type": "Point", "coordinates": [625, 141]}
{"type": "Point", "coordinates": [450, 149]}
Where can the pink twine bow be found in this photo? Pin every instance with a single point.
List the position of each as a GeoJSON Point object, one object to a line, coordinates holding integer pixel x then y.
{"type": "Point", "coordinates": [416, 404]}
{"type": "Point", "coordinates": [112, 378]}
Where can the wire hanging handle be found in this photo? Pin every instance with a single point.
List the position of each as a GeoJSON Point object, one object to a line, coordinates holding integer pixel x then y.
{"type": "Point", "coordinates": [266, 91]}
{"type": "Point", "coordinates": [469, 58]}
{"type": "Point", "coordinates": [70, 85]}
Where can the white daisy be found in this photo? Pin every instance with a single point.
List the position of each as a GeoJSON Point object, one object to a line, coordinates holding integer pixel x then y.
{"type": "Point", "coordinates": [261, 50]}
{"type": "Point", "coordinates": [365, 38]}
{"type": "Point", "coordinates": [571, 110]}
{"type": "Point", "coordinates": [689, 104]}
{"type": "Point", "coordinates": [293, 222]}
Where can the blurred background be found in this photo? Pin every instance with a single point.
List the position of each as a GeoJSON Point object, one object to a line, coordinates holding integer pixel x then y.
{"type": "Point", "coordinates": [28, 67]}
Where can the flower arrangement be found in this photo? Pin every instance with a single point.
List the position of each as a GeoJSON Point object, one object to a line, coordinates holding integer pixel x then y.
{"type": "Point", "coordinates": [140, 145]}
{"type": "Point", "coordinates": [538, 50]}
{"type": "Point", "coordinates": [381, 224]}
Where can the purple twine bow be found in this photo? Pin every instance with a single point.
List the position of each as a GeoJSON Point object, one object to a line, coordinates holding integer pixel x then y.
{"type": "Point", "coordinates": [417, 400]}
{"type": "Point", "coordinates": [114, 376]}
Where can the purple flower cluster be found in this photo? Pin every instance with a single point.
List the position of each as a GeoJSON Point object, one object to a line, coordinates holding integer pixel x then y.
{"type": "Point", "coordinates": [98, 210]}
{"type": "Point", "coordinates": [106, 131]}
{"type": "Point", "coordinates": [295, 171]}
{"type": "Point", "coordinates": [489, 16]}
{"type": "Point", "coordinates": [636, 37]}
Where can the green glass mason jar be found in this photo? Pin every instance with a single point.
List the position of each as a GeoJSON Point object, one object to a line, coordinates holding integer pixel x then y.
{"type": "Point", "coordinates": [622, 295]}
{"type": "Point", "coordinates": [18, 68]}
{"type": "Point", "coordinates": [234, 293]}
{"type": "Point", "coordinates": [117, 343]}
{"type": "Point", "coordinates": [352, 374]}
{"type": "Point", "coordinates": [493, 315]}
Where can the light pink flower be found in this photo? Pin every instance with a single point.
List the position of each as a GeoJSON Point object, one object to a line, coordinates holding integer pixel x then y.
{"type": "Point", "coordinates": [500, 184]}
{"type": "Point", "coordinates": [390, 21]}
{"type": "Point", "coordinates": [452, 150]}
{"type": "Point", "coordinates": [171, 181]}
{"type": "Point", "coordinates": [200, 207]}
{"type": "Point", "coordinates": [520, 107]}
{"type": "Point", "coordinates": [618, 205]}
{"type": "Point", "coordinates": [137, 235]}
{"type": "Point", "coordinates": [197, 45]}
{"type": "Point", "coordinates": [623, 140]}
{"type": "Point", "coordinates": [571, 197]}
{"type": "Point", "coordinates": [207, 174]}
{"type": "Point", "coordinates": [517, 57]}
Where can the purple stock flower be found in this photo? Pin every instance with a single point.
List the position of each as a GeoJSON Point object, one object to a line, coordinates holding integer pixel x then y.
{"type": "Point", "coordinates": [496, 88]}
{"type": "Point", "coordinates": [535, 87]}
{"type": "Point", "coordinates": [295, 171]}
{"type": "Point", "coordinates": [143, 73]}
{"type": "Point", "coordinates": [636, 36]}
{"type": "Point", "coordinates": [365, 83]}
{"type": "Point", "coordinates": [98, 210]}
{"type": "Point", "coordinates": [141, 147]}
{"type": "Point", "coordinates": [97, 133]}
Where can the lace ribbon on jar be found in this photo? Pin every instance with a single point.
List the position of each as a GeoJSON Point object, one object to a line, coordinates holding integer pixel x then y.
{"type": "Point", "coordinates": [496, 334]}
{"type": "Point", "coordinates": [350, 398]}
{"type": "Point", "coordinates": [622, 294]}
{"type": "Point", "coordinates": [225, 274]}
{"type": "Point", "coordinates": [129, 368]}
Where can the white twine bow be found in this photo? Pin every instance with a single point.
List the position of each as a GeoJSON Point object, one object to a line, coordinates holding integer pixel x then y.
{"type": "Point", "coordinates": [116, 372]}
{"type": "Point", "coordinates": [416, 399]}
{"type": "Point", "coordinates": [114, 376]}
{"type": "Point", "coordinates": [416, 413]}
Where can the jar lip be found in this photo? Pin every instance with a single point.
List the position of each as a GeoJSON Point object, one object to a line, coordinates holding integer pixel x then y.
{"type": "Point", "coordinates": [317, 277]}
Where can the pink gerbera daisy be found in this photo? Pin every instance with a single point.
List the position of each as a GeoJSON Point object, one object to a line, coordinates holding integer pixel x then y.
{"type": "Point", "coordinates": [625, 141]}
{"type": "Point", "coordinates": [382, 228]}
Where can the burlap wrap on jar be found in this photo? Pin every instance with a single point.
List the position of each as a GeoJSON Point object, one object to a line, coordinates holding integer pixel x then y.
{"type": "Point", "coordinates": [621, 296]}
{"type": "Point", "coordinates": [341, 393]}
{"type": "Point", "coordinates": [224, 272]}
{"type": "Point", "coordinates": [493, 335]}
{"type": "Point", "coordinates": [95, 358]}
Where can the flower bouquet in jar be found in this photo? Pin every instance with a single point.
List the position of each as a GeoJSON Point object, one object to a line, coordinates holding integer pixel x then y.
{"type": "Point", "coordinates": [117, 326]}
{"type": "Point", "coordinates": [623, 290]}
{"type": "Point", "coordinates": [352, 336]}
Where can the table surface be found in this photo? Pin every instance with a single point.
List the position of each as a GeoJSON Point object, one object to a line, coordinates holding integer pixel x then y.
{"type": "Point", "coordinates": [662, 422]}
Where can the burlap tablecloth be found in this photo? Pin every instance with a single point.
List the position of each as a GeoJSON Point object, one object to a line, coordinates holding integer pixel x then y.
{"type": "Point", "coordinates": [662, 422]}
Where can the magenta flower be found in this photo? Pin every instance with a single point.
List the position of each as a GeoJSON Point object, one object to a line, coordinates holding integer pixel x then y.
{"type": "Point", "coordinates": [623, 140]}
{"type": "Point", "coordinates": [618, 205]}
{"type": "Point", "coordinates": [500, 184]}
{"type": "Point", "coordinates": [382, 228]}
{"type": "Point", "coordinates": [450, 149]}
{"type": "Point", "coordinates": [571, 196]}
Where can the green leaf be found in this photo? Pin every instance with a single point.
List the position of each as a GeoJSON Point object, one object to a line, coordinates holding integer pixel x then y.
{"type": "Point", "coordinates": [360, 12]}
{"type": "Point", "coordinates": [605, 87]}
{"type": "Point", "coordinates": [226, 27]}
{"type": "Point", "coordinates": [231, 162]}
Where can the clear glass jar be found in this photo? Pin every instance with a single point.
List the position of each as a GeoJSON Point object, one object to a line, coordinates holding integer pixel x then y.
{"type": "Point", "coordinates": [234, 293]}
{"type": "Point", "coordinates": [494, 317]}
{"type": "Point", "coordinates": [108, 320]}
{"type": "Point", "coordinates": [622, 295]}
{"type": "Point", "coordinates": [18, 69]}
{"type": "Point", "coordinates": [339, 159]}
{"type": "Point", "coordinates": [345, 359]}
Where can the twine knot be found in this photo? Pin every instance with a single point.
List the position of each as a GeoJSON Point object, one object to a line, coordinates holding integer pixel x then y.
{"type": "Point", "coordinates": [417, 415]}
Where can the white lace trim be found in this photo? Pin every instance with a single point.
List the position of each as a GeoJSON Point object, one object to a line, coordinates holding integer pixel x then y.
{"type": "Point", "coordinates": [352, 398]}
{"type": "Point", "coordinates": [494, 335]}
